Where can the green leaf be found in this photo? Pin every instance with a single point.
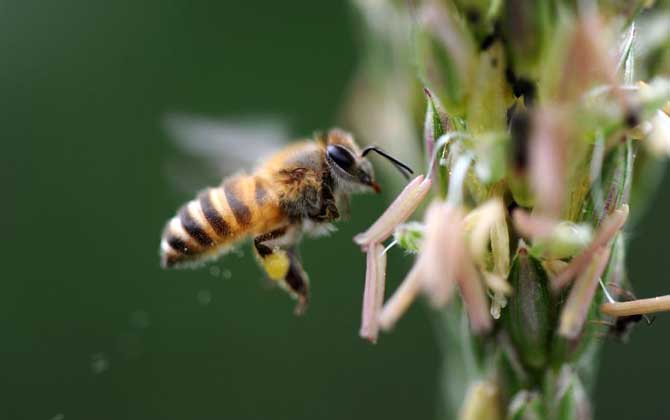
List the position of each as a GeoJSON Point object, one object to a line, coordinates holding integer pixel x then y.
{"type": "Point", "coordinates": [444, 51]}
{"type": "Point", "coordinates": [436, 125]}
{"type": "Point", "coordinates": [611, 187]}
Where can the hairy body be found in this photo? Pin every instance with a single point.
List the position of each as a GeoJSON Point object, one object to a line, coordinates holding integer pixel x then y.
{"type": "Point", "coordinates": [299, 188]}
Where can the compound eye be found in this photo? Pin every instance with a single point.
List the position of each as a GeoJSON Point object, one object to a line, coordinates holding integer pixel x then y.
{"type": "Point", "coordinates": [341, 156]}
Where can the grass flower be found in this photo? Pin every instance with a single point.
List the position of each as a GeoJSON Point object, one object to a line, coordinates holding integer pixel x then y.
{"type": "Point", "coordinates": [539, 122]}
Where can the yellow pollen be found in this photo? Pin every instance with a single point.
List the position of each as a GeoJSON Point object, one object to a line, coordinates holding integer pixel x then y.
{"type": "Point", "coordinates": [276, 265]}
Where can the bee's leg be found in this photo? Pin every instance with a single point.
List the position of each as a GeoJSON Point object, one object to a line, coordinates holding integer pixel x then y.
{"type": "Point", "coordinates": [620, 291]}
{"type": "Point", "coordinates": [328, 210]}
{"type": "Point", "coordinates": [280, 261]}
{"type": "Point", "coordinates": [344, 204]}
{"type": "Point", "coordinates": [649, 319]}
{"type": "Point", "coordinates": [297, 282]}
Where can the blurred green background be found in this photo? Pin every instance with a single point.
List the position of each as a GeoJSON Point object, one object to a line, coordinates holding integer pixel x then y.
{"type": "Point", "coordinates": [92, 328]}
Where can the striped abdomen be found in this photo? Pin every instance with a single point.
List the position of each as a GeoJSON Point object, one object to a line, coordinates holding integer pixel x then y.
{"type": "Point", "coordinates": [219, 217]}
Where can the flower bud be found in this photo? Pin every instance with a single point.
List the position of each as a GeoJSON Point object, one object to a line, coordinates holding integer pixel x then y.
{"type": "Point", "coordinates": [530, 317]}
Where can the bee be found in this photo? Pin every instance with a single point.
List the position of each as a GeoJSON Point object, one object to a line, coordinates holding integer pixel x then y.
{"type": "Point", "coordinates": [303, 188]}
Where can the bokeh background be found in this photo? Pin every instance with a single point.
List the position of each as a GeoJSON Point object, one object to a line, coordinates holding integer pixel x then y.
{"type": "Point", "coordinates": [92, 328]}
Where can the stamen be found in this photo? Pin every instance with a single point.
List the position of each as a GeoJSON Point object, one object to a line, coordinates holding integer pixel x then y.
{"type": "Point", "coordinates": [480, 223]}
{"type": "Point", "coordinates": [442, 252]}
{"type": "Point", "coordinates": [498, 302]}
{"type": "Point", "coordinates": [445, 261]}
{"type": "Point", "coordinates": [457, 179]}
{"type": "Point", "coordinates": [497, 284]}
{"type": "Point", "coordinates": [399, 211]}
{"type": "Point", "coordinates": [548, 152]}
{"type": "Point", "coordinates": [401, 300]}
{"type": "Point", "coordinates": [637, 307]}
{"type": "Point", "coordinates": [373, 295]}
{"type": "Point", "coordinates": [532, 226]}
{"type": "Point", "coordinates": [500, 248]}
{"type": "Point", "coordinates": [474, 297]}
{"type": "Point", "coordinates": [579, 300]}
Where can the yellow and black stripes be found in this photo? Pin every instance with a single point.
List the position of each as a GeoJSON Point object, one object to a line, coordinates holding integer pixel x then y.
{"type": "Point", "coordinates": [217, 217]}
{"type": "Point", "coordinates": [213, 215]}
{"type": "Point", "coordinates": [234, 195]}
{"type": "Point", "coordinates": [185, 237]}
{"type": "Point", "coordinates": [193, 227]}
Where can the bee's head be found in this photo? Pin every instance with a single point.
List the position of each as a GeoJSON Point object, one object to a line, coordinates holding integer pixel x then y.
{"type": "Point", "coordinates": [349, 166]}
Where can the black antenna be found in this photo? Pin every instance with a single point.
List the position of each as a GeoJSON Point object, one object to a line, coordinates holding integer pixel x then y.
{"type": "Point", "coordinates": [405, 170]}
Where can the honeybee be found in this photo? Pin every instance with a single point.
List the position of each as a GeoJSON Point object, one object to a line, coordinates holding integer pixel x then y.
{"type": "Point", "coordinates": [302, 188]}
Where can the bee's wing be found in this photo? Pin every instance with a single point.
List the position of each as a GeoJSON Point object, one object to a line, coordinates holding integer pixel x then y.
{"type": "Point", "coordinates": [214, 148]}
